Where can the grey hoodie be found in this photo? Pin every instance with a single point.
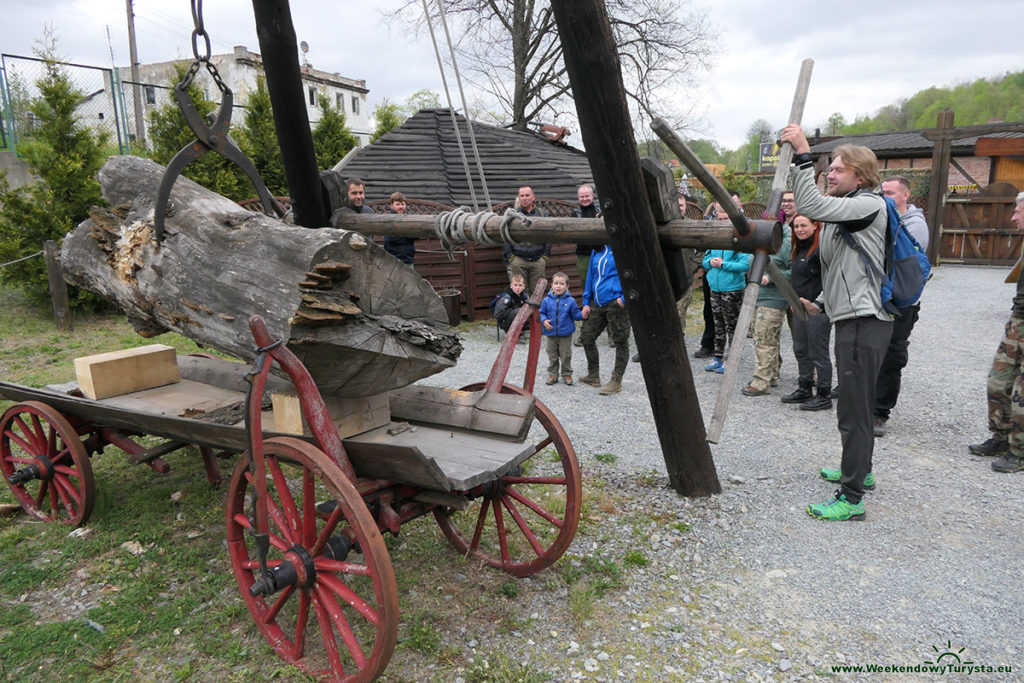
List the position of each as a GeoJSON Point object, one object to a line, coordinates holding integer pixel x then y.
{"type": "Point", "coordinates": [916, 225]}
{"type": "Point", "coordinates": [847, 290]}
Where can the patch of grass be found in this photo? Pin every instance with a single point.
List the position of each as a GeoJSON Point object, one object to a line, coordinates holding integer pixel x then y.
{"type": "Point", "coordinates": [500, 668]}
{"type": "Point", "coordinates": [635, 558]}
{"type": "Point", "coordinates": [681, 527]}
{"type": "Point", "coordinates": [509, 589]}
{"type": "Point", "coordinates": [607, 458]}
{"type": "Point", "coordinates": [420, 633]}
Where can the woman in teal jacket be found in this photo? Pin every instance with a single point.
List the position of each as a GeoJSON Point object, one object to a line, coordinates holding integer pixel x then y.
{"type": "Point", "coordinates": [726, 272]}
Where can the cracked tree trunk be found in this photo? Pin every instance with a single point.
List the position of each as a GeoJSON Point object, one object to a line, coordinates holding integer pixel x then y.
{"type": "Point", "coordinates": [361, 321]}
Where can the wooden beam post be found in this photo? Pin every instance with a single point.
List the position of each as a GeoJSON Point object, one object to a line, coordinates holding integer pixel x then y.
{"type": "Point", "coordinates": [284, 83]}
{"type": "Point", "coordinates": [940, 179]}
{"type": "Point", "coordinates": [58, 288]}
{"type": "Point", "coordinates": [593, 67]}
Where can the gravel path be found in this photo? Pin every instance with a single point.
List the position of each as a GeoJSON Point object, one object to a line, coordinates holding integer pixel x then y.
{"type": "Point", "coordinates": [758, 590]}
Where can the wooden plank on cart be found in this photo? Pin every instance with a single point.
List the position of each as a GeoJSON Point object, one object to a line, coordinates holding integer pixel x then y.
{"type": "Point", "coordinates": [121, 372]}
{"type": "Point", "coordinates": [432, 458]}
{"type": "Point", "coordinates": [349, 415]}
{"type": "Point", "coordinates": [507, 415]}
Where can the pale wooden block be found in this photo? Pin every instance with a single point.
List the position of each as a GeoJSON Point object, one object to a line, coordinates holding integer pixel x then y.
{"type": "Point", "coordinates": [350, 415]}
{"type": "Point", "coordinates": [122, 372]}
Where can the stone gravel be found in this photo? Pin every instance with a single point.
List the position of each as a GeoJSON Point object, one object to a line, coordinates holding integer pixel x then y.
{"type": "Point", "coordinates": [756, 589]}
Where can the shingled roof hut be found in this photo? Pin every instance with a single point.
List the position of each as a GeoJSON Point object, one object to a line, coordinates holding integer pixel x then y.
{"type": "Point", "coordinates": [421, 160]}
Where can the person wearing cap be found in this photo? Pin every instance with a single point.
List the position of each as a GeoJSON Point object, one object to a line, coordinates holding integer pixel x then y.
{"type": "Point", "coordinates": [402, 248]}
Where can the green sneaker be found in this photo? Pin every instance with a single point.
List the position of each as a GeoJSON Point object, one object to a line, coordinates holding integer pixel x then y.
{"type": "Point", "coordinates": [837, 510]}
{"type": "Point", "coordinates": [834, 476]}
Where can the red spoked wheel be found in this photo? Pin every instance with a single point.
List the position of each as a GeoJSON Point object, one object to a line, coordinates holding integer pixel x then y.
{"type": "Point", "coordinates": [332, 605]}
{"type": "Point", "coordinates": [523, 521]}
{"type": "Point", "coordinates": [45, 463]}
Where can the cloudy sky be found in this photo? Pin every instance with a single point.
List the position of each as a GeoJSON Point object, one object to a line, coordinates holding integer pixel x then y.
{"type": "Point", "coordinates": [865, 56]}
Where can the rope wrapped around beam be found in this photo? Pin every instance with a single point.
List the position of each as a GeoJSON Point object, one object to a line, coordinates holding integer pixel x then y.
{"type": "Point", "coordinates": [450, 228]}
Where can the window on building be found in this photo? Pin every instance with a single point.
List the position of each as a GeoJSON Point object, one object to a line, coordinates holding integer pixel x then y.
{"type": "Point", "coordinates": [312, 95]}
{"type": "Point", "coordinates": [150, 92]}
{"type": "Point", "coordinates": [339, 101]}
{"type": "Point", "coordinates": [355, 104]}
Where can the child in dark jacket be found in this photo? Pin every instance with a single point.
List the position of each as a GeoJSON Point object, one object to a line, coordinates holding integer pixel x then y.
{"type": "Point", "coordinates": [510, 301]}
{"type": "Point", "coordinates": [558, 315]}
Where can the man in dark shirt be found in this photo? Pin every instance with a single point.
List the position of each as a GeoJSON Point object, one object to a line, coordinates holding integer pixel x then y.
{"type": "Point", "coordinates": [402, 248]}
{"type": "Point", "coordinates": [528, 258]}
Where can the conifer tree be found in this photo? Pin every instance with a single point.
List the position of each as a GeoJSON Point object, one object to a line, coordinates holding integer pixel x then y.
{"type": "Point", "coordinates": [65, 155]}
{"type": "Point", "coordinates": [332, 139]}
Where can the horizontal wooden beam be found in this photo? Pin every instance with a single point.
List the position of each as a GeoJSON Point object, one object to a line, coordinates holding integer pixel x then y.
{"type": "Point", "coordinates": [679, 233]}
{"type": "Point", "coordinates": [958, 132]}
{"type": "Point", "coordinates": [998, 147]}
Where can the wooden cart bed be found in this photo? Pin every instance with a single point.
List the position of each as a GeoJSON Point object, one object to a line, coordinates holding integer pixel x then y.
{"type": "Point", "coordinates": [207, 408]}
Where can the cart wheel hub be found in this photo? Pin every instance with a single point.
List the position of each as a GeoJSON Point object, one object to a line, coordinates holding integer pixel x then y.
{"type": "Point", "coordinates": [41, 468]}
{"type": "Point", "coordinates": [297, 569]}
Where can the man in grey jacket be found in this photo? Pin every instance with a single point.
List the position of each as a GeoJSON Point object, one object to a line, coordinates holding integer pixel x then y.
{"type": "Point", "coordinates": [852, 300]}
{"type": "Point", "coordinates": [887, 390]}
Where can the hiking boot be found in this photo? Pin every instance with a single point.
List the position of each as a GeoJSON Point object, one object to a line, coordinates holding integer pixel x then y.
{"type": "Point", "coordinates": [703, 352]}
{"type": "Point", "coordinates": [801, 395]}
{"type": "Point", "coordinates": [993, 447]}
{"type": "Point", "coordinates": [592, 378]}
{"type": "Point", "coordinates": [819, 402]}
{"type": "Point", "coordinates": [833, 476]}
{"type": "Point", "coordinates": [567, 380]}
{"type": "Point", "coordinates": [879, 427]}
{"type": "Point", "coordinates": [715, 366]}
{"type": "Point", "coordinates": [837, 510]}
{"type": "Point", "coordinates": [552, 379]}
{"type": "Point", "coordinates": [636, 357]}
{"type": "Point", "coordinates": [751, 390]}
{"type": "Point", "coordinates": [1009, 463]}
{"type": "Point", "coordinates": [614, 386]}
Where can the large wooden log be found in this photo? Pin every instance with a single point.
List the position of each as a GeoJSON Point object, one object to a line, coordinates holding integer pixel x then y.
{"type": "Point", "coordinates": [361, 321]}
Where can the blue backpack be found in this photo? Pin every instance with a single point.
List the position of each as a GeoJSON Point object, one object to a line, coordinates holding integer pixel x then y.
{"type": "Point", "coordinates": [906, 268]}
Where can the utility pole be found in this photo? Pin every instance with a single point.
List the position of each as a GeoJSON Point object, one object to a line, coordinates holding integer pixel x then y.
{"type": "Point", "coordinates": [140, 130]}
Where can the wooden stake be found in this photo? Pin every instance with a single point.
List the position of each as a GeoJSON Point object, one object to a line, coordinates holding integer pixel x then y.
{"type": "Point", "coordinates": [58, 288]}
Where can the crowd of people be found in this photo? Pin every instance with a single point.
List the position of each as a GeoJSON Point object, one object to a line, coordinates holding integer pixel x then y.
{"type": "Point", "coordinates": [829, 242]}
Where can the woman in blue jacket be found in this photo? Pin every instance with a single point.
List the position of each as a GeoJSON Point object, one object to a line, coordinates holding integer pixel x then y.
{"type": "Point", "coordinates": [726, 272]}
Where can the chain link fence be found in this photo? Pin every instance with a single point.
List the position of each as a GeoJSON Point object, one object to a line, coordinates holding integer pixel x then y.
{"type": "Point", "coordinates": [103, 106]}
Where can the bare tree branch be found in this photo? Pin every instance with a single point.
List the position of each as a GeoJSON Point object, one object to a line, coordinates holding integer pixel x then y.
{"type": "Point", "coordinates": [510, 48]}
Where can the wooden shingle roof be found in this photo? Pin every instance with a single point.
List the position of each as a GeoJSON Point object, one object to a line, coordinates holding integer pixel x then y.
{"type": "Point", "coordinates": [421, 159]}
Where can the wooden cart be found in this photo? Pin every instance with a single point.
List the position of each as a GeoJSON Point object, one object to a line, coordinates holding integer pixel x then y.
{"type": "Point", "coordinates": [304, 514]}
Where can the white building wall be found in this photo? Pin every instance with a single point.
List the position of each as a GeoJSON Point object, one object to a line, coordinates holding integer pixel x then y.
{"type": "Point", "coordinates": [239, 71]}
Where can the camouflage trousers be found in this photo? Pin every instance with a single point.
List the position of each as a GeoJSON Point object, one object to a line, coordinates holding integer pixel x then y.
{"type": "Point", "coordinates": [725, 307]}
{"type": "Point", "coordinates": [767, 359]}
{"type": "Point", "coordinates": [1006, 387]}
{"type": "Point", "coordinates": [616, 319]}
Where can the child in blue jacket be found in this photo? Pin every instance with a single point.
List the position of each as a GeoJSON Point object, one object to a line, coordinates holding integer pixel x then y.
{"type": "Point", "coordinates": [558, 316]}
{"type": "Point", "coordinates": [726, 272]}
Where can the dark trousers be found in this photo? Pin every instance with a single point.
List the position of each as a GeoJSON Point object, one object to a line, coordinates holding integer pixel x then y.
{"type": "Point", "coordinates": [707, 340]}
{"type": "Point", "coordinates": [887, 390]}
{"type": "Point", "coordinates": [810, 346]}
{"type": "Point", "coordinates": [860, 347]}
